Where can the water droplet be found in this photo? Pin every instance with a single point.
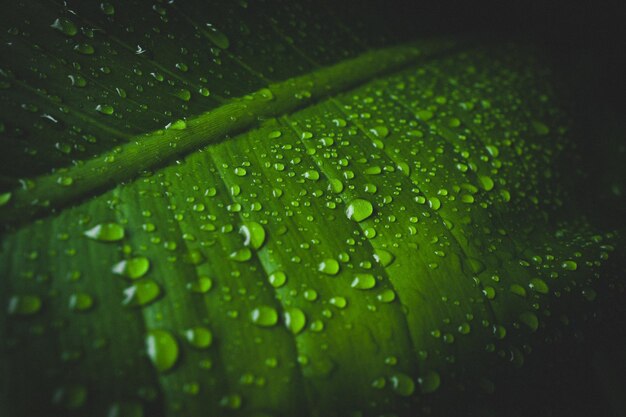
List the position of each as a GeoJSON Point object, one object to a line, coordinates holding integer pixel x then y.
{"type": "Point", "coordinates": [70, 397]}
{"type": "Point", "coordinates": [177, 125]}
{"type": "Point", "coordinates": [486, 182]}
{"type": "Point", "coordinates": [386, 296]}
{"type": "Point", "coordinates": [384, 257]}
{"type": "Point", "coordinates": [363, 281]}
{"type": "Point", "coordinates": [162, 349]}
{"type": "Point", "coordinates": [80, 302]}
{"type": "Point", "coordinates": [141, 293]}
{"type": "Point", "coordinates": [193, 257]}
{"type": "Point", "coordinates": [106, 232]}
{"type": "Point", "coordinates": [107, 8]}
{"type": "Point", "coordinates": [425, 115]}
{"type": "Point", "coordinates": [295, 320]}
{"type": "Point", "coordinates": [518, 290]}
{"type": "Point", "coordinates": [429, 382]}
{"type": "Point", "coordinates": [336, 185]}
{"type": "Point", "coordinates": [380, 131]}
{"type": "Point", "coordinates": [530, 319]}
{"type": "Point", "coordinates": [464, 328]}
{"type": "Point", "coordinates": [217, 37]}
{"type": "Point", "coordinates": [84, 48]}
{"type": "Point", "coordinates": [65, 26]}
{"type": "Point", "coordinates": [24, 305]}
{"type": "Point", "coordinates": [132, 268]}
{"type": "Point", "coordinates": [105, 109]}
{"type": "Point", "coordinates": [434, 203]}
{"type": "Point", "coordinates": [359, 210]}
{"type": "Point", "coordinates": [201, 286]}
{"type": "Point", "coordinates": [540, 128]}
{"type": "Point", "coordinates": [264, 316]}
{"type": "Point", "coordinates": [5, 198]}
{"type": "Point", "coordinates": [339, 302]}
{"type": "Point", "coordinates": [254, 234]}
{"type": "Point", "coordinates": [277, 279]}
{"type": "Point", "coordinates": [539, 285]}
{"type": "Point", "coordinates": [199, 337]}
{"type": "Point", "coordinates": [569, 265]}
{"type": "Point", "coordinates": [329, 266]}
{"type": "Point", "coordinates": [311, 175]}
{"type": "Point", "coordinates": [402, 384]}
{"type": "Point", "coordinates": [65, 181]}
{"type": "Point", "coordinates": [274, 134]}
{"type": "Point", "coordinates": [241, 255]}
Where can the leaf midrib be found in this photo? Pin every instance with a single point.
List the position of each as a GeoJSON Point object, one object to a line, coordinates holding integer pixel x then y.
{"type": "Point", "coordinates": [153, 149]}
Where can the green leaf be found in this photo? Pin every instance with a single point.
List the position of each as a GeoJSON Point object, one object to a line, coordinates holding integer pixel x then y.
{"type": "Point", "coordinates": [216, 213]}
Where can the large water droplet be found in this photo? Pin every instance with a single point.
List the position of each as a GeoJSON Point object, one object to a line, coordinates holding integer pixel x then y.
{"type": "Point", "coordinates": [359, 210]}
{"type": "Point", "coordinates": [106, 232]}
{"type": "Point", "coordinates": [199, 337]}
{"type": "Point", "coordinates": [363, 281]}
{"type": "Point", "coordinates": [429, 382]}
{"type": "Point", "coordinates": [295, 320]}
{"type": "Point", "coordinates": [162, 349]}
{"type": "Point", "coordinates": [132, 268]}
{"type": "Point", "coordinates": [141, 293]}
{"type": "Point", "coordinates": [254, 234]}
{"type": "Point", "coordinates": [402, 384]}
{"type": "Point", "coordinates": [264, 316]}
{"type": "Point", "coordinates": [329, 266]}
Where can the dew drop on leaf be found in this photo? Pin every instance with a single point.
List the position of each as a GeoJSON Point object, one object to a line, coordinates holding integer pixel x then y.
{"type": "Point", "coordinates": [277, 279]}
{"type": "Point", "coordinates": [5, 198]}
{"type": "Point", "coordinates": [65, 26]}
{"type": "Point", "coordinates": [363, 281]}
{"type": "Point", "coordinates": [569, 265]}
{"type": "Point", "coordinates": [106, 232]}
{"type": "Point", "coordinates": [199, 337]}
{"type": "Point", "coordinates": [141, 293]}
{"type": "Point", "coordinates": [264, 316]}
{"type": "Point", "coordinates": [80, 301]}
{"type": "Point", "coordinates": [70, 397]}
{"type": "Point", "coordinates": [132, 268]}
{"type": "Point", "coordinates": [241, 255]}
{"type": "Point", "coordinates": [295, 319]}
{"type": "Point", "coordinates": [162, 349]}
{"type": "Point", "coordinates": [359, 210]}
{"type": "Point", "coordinates": [24, 305]}
{"type": "Point", "coordinates": [402, 384]}
{"type": "Point", "coordinates": [329, 266]}
{"type": "Point", "coordinates": [429, 382]}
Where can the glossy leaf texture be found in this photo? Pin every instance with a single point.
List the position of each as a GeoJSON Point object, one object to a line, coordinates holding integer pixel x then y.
{"type": "Point", "coordinates": [376, 252]}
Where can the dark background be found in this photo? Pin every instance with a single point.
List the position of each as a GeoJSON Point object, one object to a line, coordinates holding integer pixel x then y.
{"type": "Point", "coordinates": [585, 374]}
